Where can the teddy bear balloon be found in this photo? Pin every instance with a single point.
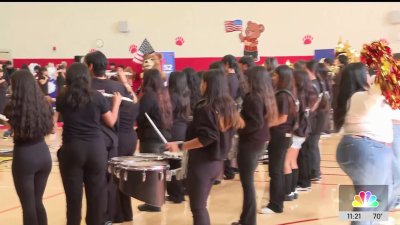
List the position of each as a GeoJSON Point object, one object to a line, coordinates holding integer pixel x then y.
{"type": "Point", "coordinates": [253, 32]}
{"type": "Point", "coordinates": [153, 61]}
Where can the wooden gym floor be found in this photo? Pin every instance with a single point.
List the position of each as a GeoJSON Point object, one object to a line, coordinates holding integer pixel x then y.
{"type": "Point", "coordinates": [318, 206]}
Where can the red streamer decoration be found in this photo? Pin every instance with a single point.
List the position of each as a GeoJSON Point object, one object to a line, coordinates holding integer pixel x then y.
{"type": "Point", "coordinates": [378, 56]}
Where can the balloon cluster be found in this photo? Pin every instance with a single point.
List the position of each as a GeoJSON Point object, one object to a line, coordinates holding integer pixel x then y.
{"type": "Point", "coordinates": [378, 56]}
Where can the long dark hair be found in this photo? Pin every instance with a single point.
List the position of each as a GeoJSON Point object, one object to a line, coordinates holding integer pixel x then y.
{"type": "Point", "coordinates": [322, 73]}
{"type": "Point", "coordinates": [177, 86]}
{"type": "Point", "coordinates": [312, 66]}
{"type": "Point", "coordinates": [303, 83]}
{"type": "Point", "coordinates": [286, 81]}
{"type": "Point", "coordinates": [354, 79]}
{"type": "Point", "coordinates": [153, 81]}
{"type": "Point", "coordinates": [77, 93]}
{"type": "Point", "coordinates": [218, 98]}
{"type": "Point", "coordinates": [193, 82]}
{"type": "Point", "coordinates": [29, 113]}
{"type": "Point", "coordinates": [260, 84]}
{"type": "Point", "coordinates": [217, 65]}
{"type": "Point", "coordinates": [271, 63]}
{"type": "Point", "coordinates": [232, 63]}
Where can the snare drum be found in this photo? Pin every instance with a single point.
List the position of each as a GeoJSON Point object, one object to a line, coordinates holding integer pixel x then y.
{"type": "Point", "coordinates": [150, 156]}
{"type": "Point", "coordinates": [113, 162]}
{"type": "Point", "coordinates": [174, 159]}
{"type": "Point", "coordinates": [144, 180]}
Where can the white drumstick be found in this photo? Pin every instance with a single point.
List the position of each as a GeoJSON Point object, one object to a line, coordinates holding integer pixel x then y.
{"type": "Point", "coordinates": [156, 129]}
{"type": "Point", "coordinates": [123, 98]}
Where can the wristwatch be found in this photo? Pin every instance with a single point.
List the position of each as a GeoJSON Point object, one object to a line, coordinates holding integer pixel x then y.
{"type": "Point", "coordinates": [180, 145]}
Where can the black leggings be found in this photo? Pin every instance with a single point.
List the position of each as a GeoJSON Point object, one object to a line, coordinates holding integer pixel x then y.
{"type": "Point", "coordinates": [123, 206]}
{"type": "Point", "coordinates": [201, 175]}
{"type": "Point", "coordinates": [85, 163]}
{"type": "Point", "coordinates": [277, 149]}
{"type": "Point", "coordinates": [247, 162]}
{"type": "Point", "coordinates": [31, 167]}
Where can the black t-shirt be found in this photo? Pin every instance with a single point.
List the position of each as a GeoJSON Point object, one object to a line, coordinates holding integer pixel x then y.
{"type": "Point", "coordinates": [44, 87]}
{"type": "Point", "coordinates": [180, 123]}
{"type": "Point", "coordinates": [283, 103]}
{"type": "Point", "coordinates": [256, 131]}
{"type": "Point", "coordinates": [149, 104]}
{"type": "Point", "coordinates": [216, 144]}
{"type": "Point", "coordinates": [60, 83]}
{"type": "Point", "coordinates": [128, 112]}
{"type": "Point", "coordinates": [109, 87]}
{"type": "Point", "coordinates": [233, 84]}
{"type": "Point", "coordinates": [85, 123]}
{"type": "Point", "coordinates": [3, 87]}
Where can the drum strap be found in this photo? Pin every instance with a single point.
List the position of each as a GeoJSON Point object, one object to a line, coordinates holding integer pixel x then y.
{"type": "Point", "coordinates": [183, 171]}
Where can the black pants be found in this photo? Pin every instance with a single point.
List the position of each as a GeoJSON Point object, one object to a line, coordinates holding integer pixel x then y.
{"type": "Point", "coordinates": [111, 141]}
{"type": "Point", "coordinates": [247, 162]}
{"type": "Point", "coordinates": [31, 167]}
{"type": "Point", "coordinates": [313, 144]}
{"type": "Point", "coordinates": [252, 54]}
{"type": "Point", "coordinates": [201, 175]}
{"type": "Point", "coordinates": [309, 160]}
{"type": "Point", "coordinates": [229, 172]}
{"type": "Point", "coordinates": [175, 188]}
{"type": "Point", "coordinates": [84, 162]}
{"type": "Point", "coordinates": [123, 206]}
{"type": "Point", "coordinates": [277, 149]}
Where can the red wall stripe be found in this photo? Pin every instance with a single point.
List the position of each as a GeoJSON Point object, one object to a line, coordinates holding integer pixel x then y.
{"type": "Point", "coordinates": [200, 63]}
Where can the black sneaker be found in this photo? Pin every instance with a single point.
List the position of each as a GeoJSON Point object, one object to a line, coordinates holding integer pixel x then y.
{"type": "Point", "coordinates": [316, 179]}
{"type": "Point", "coordinates": [230, 177]}
{"type": "Point", "coordinates": [174, 199]}
{"type": "Point", "coordinates": [149, 208]}
{"type": "Point", "coordinates": [217, 182]}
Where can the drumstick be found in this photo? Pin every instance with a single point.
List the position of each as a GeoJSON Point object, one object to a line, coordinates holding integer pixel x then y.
{"type": "Point", "coordinates": [156, 129]}
{"type": "Point", "coordinates": [123, 98]}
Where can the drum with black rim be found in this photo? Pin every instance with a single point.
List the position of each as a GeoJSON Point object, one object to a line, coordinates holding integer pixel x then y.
{"type": "Point", "coordinates": [113, 162]}
{"type": "Point", "coordinates": [144, 180]}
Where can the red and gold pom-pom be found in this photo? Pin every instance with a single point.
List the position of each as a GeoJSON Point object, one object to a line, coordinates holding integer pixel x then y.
{"type": "Point", "coordinates": [378, 56]}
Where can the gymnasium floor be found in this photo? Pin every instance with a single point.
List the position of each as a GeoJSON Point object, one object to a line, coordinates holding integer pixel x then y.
{"type": "Point", "coordinates": [319, 206]}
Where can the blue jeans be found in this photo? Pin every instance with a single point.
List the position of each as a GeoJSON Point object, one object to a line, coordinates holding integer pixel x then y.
{"type": "Point", "coordinates": [396, 142]}
{"type": "Point", "coordinates": [396, 152]}
{"type": "Point", "coordinates": [367, 162]}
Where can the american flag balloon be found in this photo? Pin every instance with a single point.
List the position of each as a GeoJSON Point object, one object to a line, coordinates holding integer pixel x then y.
{"type": "Point", "coordinates": [145, 48]}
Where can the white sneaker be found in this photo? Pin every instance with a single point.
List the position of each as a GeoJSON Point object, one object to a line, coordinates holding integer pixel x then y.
{"type": "Point", "coordinates": [266, 210]}
{"type": "Point", "coordinates": [298, 188]}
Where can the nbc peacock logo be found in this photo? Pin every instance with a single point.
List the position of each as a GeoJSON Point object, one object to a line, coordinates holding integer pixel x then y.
{"type": "Point", "coordinates": [365, 199]}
